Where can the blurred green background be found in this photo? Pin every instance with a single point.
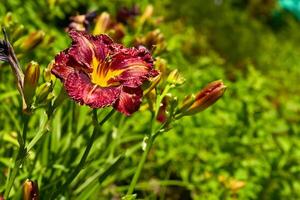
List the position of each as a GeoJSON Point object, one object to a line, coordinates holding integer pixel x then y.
{"type": "Point", "coordinates": [247, 146]}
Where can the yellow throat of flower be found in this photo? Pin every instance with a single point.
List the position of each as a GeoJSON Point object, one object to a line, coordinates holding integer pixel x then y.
{"type": "Point", "coordinates": [102, 74]}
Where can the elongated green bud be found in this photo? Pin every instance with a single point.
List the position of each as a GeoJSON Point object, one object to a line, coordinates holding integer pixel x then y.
{"type": "Point", "coordinates": [175, 78]}
{"type": "Point", "coordinates": [32, 40]}
{"type": "Point", "coordinates": [18, 32]}
{"type": "Point", "coordinates": [30, 190]}
{"type": "Point", "coordinates": [153, 83]}
{"type": "Point", "coordinates": [31, 79]}
{"type": "Point", "coordinates": [48, 76]}
{"type": "Point", "coordinates": [43, 91]}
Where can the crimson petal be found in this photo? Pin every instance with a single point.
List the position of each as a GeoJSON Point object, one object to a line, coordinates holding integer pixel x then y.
{"type": "Point", "coordinates": [129, 101]}
{"type": "Point", "coordinates": [85, 48]}
{"type": "Point", "coordinates": [60, 68]}
{"type": "Point", "coordinates": [79, 88]}
{"type": "Point", "coordinates": [136, 64]}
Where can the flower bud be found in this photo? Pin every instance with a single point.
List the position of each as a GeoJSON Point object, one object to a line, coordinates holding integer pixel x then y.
{"type": "Point", "coordinates": [30, 190]}
{"type": "Point", "coordinates": [102, 23]}
{"type": "Point", "coordinates": [43, 91]}
{"type": "Point", "coordinates": [116, 32]}
{"type": "Point", "coordinates": [162, 111]}
{"type": "Point", "coordinates": [81, 22]}
{"type": "Point", "coordinates": [161, 65]}
{"type": "Point", "coordinates": [18, 31]}
{"type": "Point", "coordinates": [32, 40]}
{"type": "Point", "coordinates": [205, 98]}
{"type": "Point", "coordinates": [166, 109]}
{"type": "Point", "coordinates": [31, 79]}
{"type": "Point", "coordinates": [147, 14]}
{"type": "Point", "coordinates": [175, 78]}
{"type": "Point", "coordinates": [153, 83]}
{"type": "Point", "coordinates": [48, 76]}
{"type": "Point", "coordinates": [8, 19]}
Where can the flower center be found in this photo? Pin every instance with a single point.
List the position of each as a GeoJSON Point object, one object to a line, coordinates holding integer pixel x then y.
{"type": "Point", "coordinates": [102, 75]}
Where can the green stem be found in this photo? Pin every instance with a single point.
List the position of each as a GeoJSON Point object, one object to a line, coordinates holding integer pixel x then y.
{"type": "Point", "coordinates": [25, 128]}
{"type": "Point", "coordinates": [141, 165]}
{"type": "Point", "coordinates": [11, 179]}
{"type": "Point", "coordinates": [150, 142]}
{"type": "Point", "coordinates": [81, 163]}
{"type": "Point", "coordinates": [19, 158]}
{"type": "Point", "coordinates": [41, 132]}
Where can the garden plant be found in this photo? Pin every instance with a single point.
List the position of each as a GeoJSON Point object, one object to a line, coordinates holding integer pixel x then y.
{"type": "Point", "coordinates": [149, 100]}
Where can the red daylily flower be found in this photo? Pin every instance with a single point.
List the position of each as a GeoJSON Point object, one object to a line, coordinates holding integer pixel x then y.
{"type": "Point", "coordinates": [98, 72]}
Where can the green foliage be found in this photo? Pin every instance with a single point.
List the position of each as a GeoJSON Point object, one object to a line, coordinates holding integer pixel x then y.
{"type": "Point", "coordinates": [244, 147]}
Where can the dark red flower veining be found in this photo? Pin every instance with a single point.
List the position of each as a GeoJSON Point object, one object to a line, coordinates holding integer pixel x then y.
{"type": "Point", "coordinates": [98, 72]}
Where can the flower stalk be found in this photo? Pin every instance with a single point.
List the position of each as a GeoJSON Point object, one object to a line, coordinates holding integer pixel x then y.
{"type": "Point", "coordinates": [141, 165]}
{"type": "Point", "coordinates": [151, 139]}
{"type": "Point", "coordinates": [82, 161]}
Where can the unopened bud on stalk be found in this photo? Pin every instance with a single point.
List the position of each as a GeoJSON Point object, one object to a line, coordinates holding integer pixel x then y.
{"type": "Point", "coordinates": [147, 14]}
{"type": "Point", "coordinates": [153, 83]}
{"type": "Point", "coordinates": [175, 78]}
{"type": "Point", "coordinates": [161, 65]}
{"type": "Point", "coordinates": [102, 23]}
{"type": "Point", "coordinates": [31, 79]}
{"type": "Point", "coordinates": [30, 190]}
{"type": "Point", "coordinates": [8, 19]}
{"type": "Point", "coordinates": [205, 98]}
{"type": "Point", "coordinates": [81, 22]}
{"type": "Point", "coordinates": [18, 31]}
{"type": "Point", "coordinates": [43, 91]}
{"type": "Point", "coordinates": [32, 40]}
{"type": "Point", "coordinates": [48, 76]}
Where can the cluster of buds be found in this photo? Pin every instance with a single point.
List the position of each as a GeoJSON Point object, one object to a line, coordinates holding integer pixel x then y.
{"type": "Point", "coordinates": [192, 104]}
